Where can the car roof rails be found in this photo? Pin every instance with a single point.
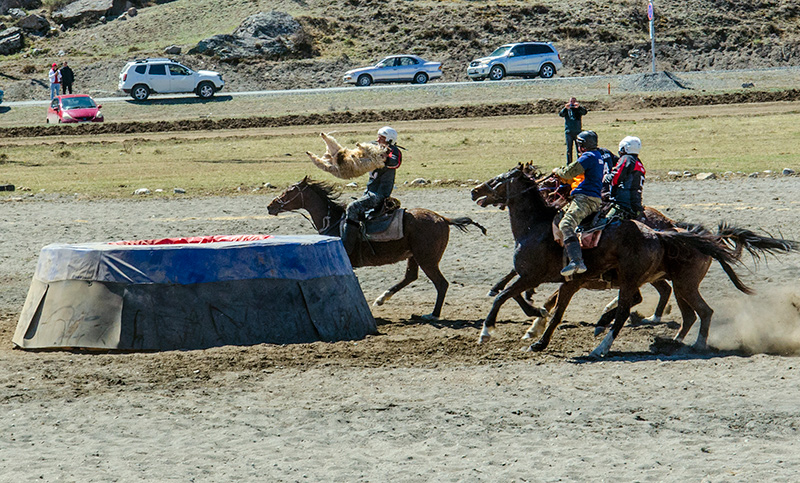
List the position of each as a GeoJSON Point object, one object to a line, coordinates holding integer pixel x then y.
{"type": "Point", "coordinates": [153, 59]}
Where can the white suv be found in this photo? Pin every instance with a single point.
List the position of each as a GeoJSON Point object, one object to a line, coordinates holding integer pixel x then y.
{"type": "Point", "coordinates": [142, 77]}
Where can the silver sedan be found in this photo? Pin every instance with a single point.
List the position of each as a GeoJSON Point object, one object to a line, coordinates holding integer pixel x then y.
{"type": "Point", "coordinates": [395, 68]}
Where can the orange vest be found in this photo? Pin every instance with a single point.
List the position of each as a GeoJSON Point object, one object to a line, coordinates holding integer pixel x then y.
{"type": "Point", "coordinates": [576, 181]}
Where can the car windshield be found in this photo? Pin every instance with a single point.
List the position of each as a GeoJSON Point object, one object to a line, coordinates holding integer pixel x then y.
{"type": "Point", "coordinates": [77, 103]}
{"type": "Point", "coordinates": [500, 51]}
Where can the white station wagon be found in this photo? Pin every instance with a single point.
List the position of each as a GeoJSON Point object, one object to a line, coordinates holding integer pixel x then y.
{"type": "Point", "coordinates": [395, 68]}
{"type": "Point", "coordinates": [140, 78]}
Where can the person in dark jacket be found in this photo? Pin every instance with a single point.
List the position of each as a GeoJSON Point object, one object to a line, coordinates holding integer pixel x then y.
{"type": "Point", "coordinates": [609, 160]}
{"type": "Point", "coordinates": [67, 77]}
{"type": "Point", "coordinates": [572, 112]}
{"type": "Point", "coordinates": [585, 198]}
{"type": "Point", "coordinates": [626, 181]}
{"type": "Point", "coordinates": [379, 187]}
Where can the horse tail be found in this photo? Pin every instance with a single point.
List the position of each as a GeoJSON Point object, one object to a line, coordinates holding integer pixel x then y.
{"type": "Point", "coordinates": [463, 222]}
{"type": "Point", "coordinates": [757, 245]}
{"type": "Point", "coordinates": [696, 228]}
{"type": "Point", "coordinates": [681, 244]}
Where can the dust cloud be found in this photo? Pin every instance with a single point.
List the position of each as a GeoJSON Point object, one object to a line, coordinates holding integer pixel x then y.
{"type": "Point", "coordinates": [766, 323]}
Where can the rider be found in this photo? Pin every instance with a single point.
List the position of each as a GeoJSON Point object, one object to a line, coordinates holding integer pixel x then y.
{"type": "Point", "coordinates": [585, 198]}
{"type": "Point", "coordinates": [626, 180]}
{"type": "Point", "coordinates": [379, 187]}
{"type": "Point", "coordinates": [609, 160]}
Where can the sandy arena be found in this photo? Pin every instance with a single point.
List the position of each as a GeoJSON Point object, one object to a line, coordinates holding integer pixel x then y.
{"type": "Point", "coordinates": [420, 401]}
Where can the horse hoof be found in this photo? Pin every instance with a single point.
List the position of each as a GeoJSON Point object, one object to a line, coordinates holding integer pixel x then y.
{"type": "Point", "coordinates": [483, 338]}
{"type": "Point", "coordinates": [653, 319]}
{"type": "Point", "coordinates": [527, 336]}
{"type": "Point", "coordinates": [598, 331]}
{"type": "Point", "coordinates": [385, 296]}
{"type": "Point", "coordinates": [429, 317]}
{"type": "Point", "coordinates": [538, 346]}
{"type": "Point", "coordinates": [596, 354]}
{"type": "Point", "coordinates": [492, 293]}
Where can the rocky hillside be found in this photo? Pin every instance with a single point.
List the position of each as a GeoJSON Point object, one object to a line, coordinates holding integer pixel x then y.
{"type": "Point", "coordinates": [609, 37]}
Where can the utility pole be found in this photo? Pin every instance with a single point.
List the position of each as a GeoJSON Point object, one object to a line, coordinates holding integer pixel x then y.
{"type": "Point", "coordinates": [651, 16]}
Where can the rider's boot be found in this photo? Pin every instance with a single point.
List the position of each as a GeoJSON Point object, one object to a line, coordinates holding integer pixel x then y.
{"type": "Point", "coordinates": [573, 248]}
{"type": "Point", "coordinates": [350, 231]}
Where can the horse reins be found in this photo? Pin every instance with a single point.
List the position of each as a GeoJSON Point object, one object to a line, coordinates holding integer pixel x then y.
{"type": "Point", "coordinates": [326, 220]}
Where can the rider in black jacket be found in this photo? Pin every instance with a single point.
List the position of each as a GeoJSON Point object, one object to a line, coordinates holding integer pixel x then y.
{"type": "Point", "coordinates": [627, 180]}
{"type": "Point", "coordinates": [379, 187]}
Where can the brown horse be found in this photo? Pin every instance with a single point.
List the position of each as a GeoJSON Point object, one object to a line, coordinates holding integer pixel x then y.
{"type": "Point", "coordinates": [739, 239]}
{"type": "Point", "coordinates": [653, 219]}
{"type": "Point", "coordinates": [425, 236]}
{"type": "Point", "coordinates": [634, 253]}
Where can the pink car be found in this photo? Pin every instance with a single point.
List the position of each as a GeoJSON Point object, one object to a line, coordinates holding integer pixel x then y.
{"type": "Point", "coordinates": [73, 108]}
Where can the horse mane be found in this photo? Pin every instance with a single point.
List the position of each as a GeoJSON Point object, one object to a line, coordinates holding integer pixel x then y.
{"type": "Point", "coordinates": [530, 174]}
{"type": "Point", "coordinates": [326, 190]}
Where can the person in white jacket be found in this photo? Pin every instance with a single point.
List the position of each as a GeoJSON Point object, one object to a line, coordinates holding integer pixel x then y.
{"type": "Point", "coordinates": [55, 81]}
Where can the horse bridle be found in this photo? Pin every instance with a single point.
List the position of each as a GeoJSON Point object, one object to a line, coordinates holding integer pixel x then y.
{"type": "Point", "coordinates": [326, 220]}
{"type": "Point", "coordinates": [504, 179]}
{"type": "Point", "coordinates": [299, 193]}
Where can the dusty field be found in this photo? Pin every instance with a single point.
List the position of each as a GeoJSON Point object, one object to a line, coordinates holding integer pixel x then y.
{"type": "Point", "coordinates": [420, 401]}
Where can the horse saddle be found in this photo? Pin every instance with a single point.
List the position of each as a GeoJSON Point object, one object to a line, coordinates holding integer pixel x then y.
{"type": "Point", "coordinates": [588, 231]}
{"type": "Point", "coordinates": [387, 228]}
{"type": "Point", "coordinates": [385, 223]}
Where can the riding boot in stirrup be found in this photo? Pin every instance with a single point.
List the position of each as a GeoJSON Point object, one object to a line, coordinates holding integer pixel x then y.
{"type": "Point", "coordinates": [350, 231]}
{"type": "Point", "coordinates": [573, 248]}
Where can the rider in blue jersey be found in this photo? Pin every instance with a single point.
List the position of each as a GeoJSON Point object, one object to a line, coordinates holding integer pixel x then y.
{"type": "Point", "coordinates": [586, 197]}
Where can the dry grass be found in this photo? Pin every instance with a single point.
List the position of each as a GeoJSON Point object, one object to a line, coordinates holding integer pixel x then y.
{"type": "Point", "coordinates": [742, 138]}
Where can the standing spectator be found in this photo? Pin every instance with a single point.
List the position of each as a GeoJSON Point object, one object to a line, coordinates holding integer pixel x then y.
{"type": "Point", "coordinates": [572, 114]}
{"type": "Point", "coordinates": [67, 76]}
{"type": "Point", "coordinates": [55, 81]}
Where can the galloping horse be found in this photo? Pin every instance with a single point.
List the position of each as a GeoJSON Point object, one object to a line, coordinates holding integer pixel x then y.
{"type": "Point", "coordinates": [425, 236]}
{"type": "Point", "coordinates": [635, 253]}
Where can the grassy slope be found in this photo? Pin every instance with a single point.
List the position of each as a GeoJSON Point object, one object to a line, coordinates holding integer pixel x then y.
{"type": "Point", "coordinates": [594, 37]}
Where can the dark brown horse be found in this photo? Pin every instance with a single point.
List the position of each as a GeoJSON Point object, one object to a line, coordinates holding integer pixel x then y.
{"type": "Point", "coordinates": [635, 253]}
{"type": "Point", "coordinates": [653, 219]}
{"type": "Point", "coordinates": [425, 236]}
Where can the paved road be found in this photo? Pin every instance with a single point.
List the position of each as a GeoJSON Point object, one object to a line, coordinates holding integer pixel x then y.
{"type": "Point", "coordinates": [774, 77]}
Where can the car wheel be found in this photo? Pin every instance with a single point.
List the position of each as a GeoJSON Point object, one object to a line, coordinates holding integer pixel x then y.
{"type": "Point", "coordinates": [497, 72]}
{"type": "Point", "coordinates": [140, 92]}
{"type": "Point", "coordinates": [364, 80]}
{"type": "Point", "coordinates": [205, 90]}
{"type": "Point", "coordinates": [547, 71]}
{"type": "Point", "coordinates": [421, 78]}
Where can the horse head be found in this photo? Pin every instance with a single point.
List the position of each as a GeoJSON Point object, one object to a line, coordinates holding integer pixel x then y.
{"type": "Point", "coordinates": [291, 199]}
{"type": "Point", "coordinates": [502, 188]}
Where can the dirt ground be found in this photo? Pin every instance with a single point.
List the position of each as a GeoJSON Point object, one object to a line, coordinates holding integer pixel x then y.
{"type": "Point", "coordinates": [419, 401]}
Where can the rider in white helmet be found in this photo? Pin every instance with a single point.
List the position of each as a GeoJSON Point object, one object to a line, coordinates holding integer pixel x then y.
{"type": "Point", "coordinates": [379, 187]}
{"type": "Point", "coordinates": [627, 179]}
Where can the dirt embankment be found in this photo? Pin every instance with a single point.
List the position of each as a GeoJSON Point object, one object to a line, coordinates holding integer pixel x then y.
{"type": "Point", "coordinates": [436, 112]}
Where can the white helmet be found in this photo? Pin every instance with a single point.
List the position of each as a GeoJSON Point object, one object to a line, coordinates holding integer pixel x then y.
{"type": "Point", "coordinates": [389, 133]}
{"type": "Point", "coordinates": [630, 145]}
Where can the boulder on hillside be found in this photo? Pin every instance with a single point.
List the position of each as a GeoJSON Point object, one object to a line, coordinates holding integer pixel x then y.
{"type": "Point", "coordinates": [5, 5]}
{"type": "Point", "coordinates": [89, 10]}
{"type": "Point", "coordinates": [273, 35]}
{"type": "Point", "coordinates": [34, 23]}
{"type": "Point", "coordinates": [10, 41]}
